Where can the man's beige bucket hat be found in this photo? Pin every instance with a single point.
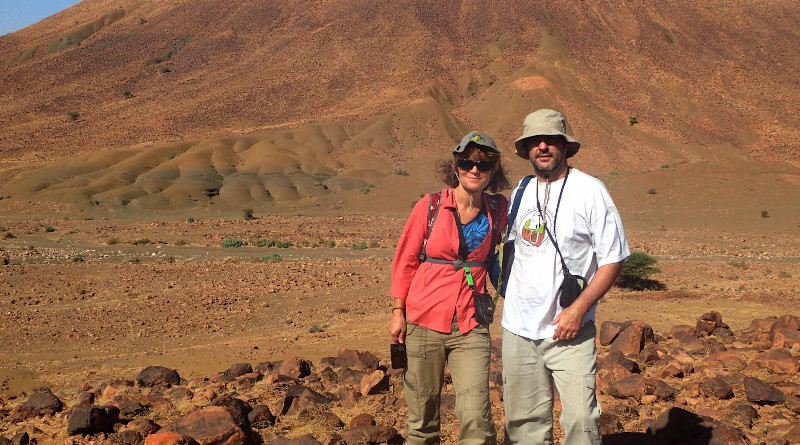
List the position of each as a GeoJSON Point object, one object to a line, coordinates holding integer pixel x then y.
{"type": "Point", "coordinates": [545, 123]}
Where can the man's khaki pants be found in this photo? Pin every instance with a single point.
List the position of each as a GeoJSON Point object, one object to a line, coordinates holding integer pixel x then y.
{"type": "Point", "coordinates": [530, 368]}
{"type": "Point", "coordinates": [467, 355]}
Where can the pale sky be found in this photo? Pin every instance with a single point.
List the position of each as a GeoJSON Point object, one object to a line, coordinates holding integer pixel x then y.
{"type": "Point", "coordinates": [17, 14]}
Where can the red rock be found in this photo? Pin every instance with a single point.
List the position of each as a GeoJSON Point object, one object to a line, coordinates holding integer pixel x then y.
{"type": "Point", "coordinates": [295, 367]}
{"type": "Point", "coordinates": [362, 419]}
{"type": "Point", "coordinates": [41, 402]}
{"type": "Point", "coordinates": [375, 383]}
{"type": "Point", "coordinates": [631, 340]}
{"type": "Point", "coordinates": [763, 324]}
{"type": "Point", "coordinates": [369, 435]}
{"type": "Point", "coordinates": [362, 361]}
{"type": "Point", "coordinates": [349, 397]}
{"type": "Point", "coordinates": [239, 369]}
{"type": "Point", "coordinates": [330, 420]}
{"type": "Point", "coordinates": [609, 424]}
{"type": "Point", "coordinates": [609, 331]}
{"type": "Point", "coordinates": [681, 330]}
{"type": "Point", "coordinates": [637, 386]}
{"type": "Point", "coordinates": [157, 376]}
{"type": "Point", "coordinates": [210, 425]}
{"type": "Point", "coordinates": [261, 417]}
{"type": "Point", "coordinates": [780, 361]}
{"type": "Point", "coordinates": [168, 438]}
{"type": "Point", "coordinates": [608, 373]}
{"type": "Point", "coordinates": [716, 388]}
{"type": "Point", "coordinates": [785, 338]}
{"type": "Point", "coordinates": [793, 436]}
{"type": "Point", "coordinates": [144, 426]}
{"type": "Point", "coordinates": [761, 392]}
{"type": "Point", "coordinates": [789, 322]}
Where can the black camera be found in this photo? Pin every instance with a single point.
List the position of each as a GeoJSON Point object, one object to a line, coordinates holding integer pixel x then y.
{"type": "Point", "coordinates": [398, 355]}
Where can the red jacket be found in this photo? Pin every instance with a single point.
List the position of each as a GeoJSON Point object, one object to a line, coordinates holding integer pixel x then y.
{"type": "Point", "coordinates": [434, 292]}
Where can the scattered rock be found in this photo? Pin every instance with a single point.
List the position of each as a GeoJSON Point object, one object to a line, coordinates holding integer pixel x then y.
{"type": "Point", "coordinates": [42, 402]}
{"type": "Point", "coordinates": [157, 375]}
{"type": "Point", "coordinates": [760, 392]}
{"type": "Point", "coordinates": [89, 420]}
{"type": "Point", "coordinates": [210, 425]}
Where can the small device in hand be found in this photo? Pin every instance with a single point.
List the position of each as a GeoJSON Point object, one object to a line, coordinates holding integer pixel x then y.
{"type": "Point", "coordinates": [398, 354]}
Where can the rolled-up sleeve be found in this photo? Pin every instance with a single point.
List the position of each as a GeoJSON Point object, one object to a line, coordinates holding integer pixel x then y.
{"type": "Point", "coordinates": [409, 246]}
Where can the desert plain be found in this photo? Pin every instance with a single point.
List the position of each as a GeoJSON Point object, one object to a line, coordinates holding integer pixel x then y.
{"type": "Point", "coordinates": [201, 184]}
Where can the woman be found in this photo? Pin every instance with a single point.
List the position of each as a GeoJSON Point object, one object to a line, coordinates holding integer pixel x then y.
{"type": "Point", "coordinates": [433, 310]}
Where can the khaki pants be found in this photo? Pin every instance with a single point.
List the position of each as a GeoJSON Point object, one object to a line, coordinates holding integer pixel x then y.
{"type": "Point", "coordinates": [468, 358]}
{"type": "Point", "coordinates": [530, 368]}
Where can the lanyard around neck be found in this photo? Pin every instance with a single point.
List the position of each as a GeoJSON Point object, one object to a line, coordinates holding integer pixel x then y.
{"type": "Point", "coordinates": [547, 197]}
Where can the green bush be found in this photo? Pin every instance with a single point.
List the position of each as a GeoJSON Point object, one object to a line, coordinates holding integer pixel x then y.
{"type": "Point", "coordinates": [652, 191]}
{"type": "Point", "coordinates": [764, 214]}
{"type": "Point", "coordinates": [77, 259]}
{"type": "Point", "coordinates": [247, 214]}
{"type": "Point", "coordinates": [359, 246]}
{"type": "Point", "coordinates": [274, 258]}
{"type": "Point", "coordinates": [49, 229]}
{"type": "Point", "coordinates": [127, 94]}
{"type": "Point", "coordinates": [231, 242]}
{"type": "Point", "coordinates": [73, 115]}
{"type": "Point", "coordinates": [190, 220]}
{"type": "Point", "coordinates": [636, 272]}
{"type": "Point", "coordinates": [141, 241]}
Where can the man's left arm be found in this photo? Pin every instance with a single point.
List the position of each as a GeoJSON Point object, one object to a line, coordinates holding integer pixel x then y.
{"type": "Point", "coordinates": [570, 319]}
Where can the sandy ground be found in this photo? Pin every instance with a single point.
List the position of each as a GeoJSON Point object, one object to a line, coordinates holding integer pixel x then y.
{"type": "Point", "coordinates": [86, 299]}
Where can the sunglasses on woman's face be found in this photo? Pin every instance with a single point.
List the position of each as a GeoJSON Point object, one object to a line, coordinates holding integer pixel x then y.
{"type": "Point", "coordinates": [468, 164]}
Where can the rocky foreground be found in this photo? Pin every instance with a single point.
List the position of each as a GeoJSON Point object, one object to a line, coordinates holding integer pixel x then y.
{"type": "Point", "coordinates": [701, 384]}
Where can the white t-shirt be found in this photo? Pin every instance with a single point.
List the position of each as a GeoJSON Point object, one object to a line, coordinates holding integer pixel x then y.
{"type": "Point", "coordinates": [589, 233]}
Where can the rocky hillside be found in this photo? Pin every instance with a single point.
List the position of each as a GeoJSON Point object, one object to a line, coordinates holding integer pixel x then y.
{"type": "Point", "coordinates": [299, 104]}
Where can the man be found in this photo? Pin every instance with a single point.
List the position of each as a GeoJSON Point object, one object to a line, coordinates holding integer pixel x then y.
{"type": "Point", "coordinates": [543, 342]}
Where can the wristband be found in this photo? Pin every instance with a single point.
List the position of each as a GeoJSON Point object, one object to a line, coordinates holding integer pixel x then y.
{"type": "Point", "coordinates": [398, 309]}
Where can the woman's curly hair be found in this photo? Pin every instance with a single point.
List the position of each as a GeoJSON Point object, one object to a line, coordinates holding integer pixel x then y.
{"type": "Point", "coordinates": [448, 172]}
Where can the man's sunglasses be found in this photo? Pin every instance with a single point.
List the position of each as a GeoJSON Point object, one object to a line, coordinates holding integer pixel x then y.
{"type": "Point", "coordinates": [468, 164]}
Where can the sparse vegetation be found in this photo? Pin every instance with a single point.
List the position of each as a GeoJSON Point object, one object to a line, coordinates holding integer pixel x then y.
{"type": "Point", "coordinates": [764, 214]}
{"type": "Point", "coordinates": [664, 165]}
{"type": "Point", "coordinates": [400, 172]}
{"type": "Point", "coordinates": [367, 189]}
{"type": "Point", "coordinates": [132, 260]}
{"type": "Point", "coordinates": [73, 115]}
{"type": "Point", "coordinates": [77, 258]}
{"type": "Point", "coordinates": [127, 94]}
{"type": "Point", "coordinates": [49, 229]}
{"type": "Point", "coordinates": [633, 120]}
{"type": "Point", "coordinates": [165, 69]}
{"type": "Point", "coordinates": [359, 246]}
{"type": "Point", "coordinates": [741, 264]}
{"type": "Point", "coordinates": [141, 241]}
{"type": "Point", "coordinates": [247, 214]}
{"type": "Point", "coordinates": [181, 242]}
{"type": "Point", "coordinates": [172, 156]}
{"type": "Point", "coordinates": [142, 20]}
{"type": "Point", "coordinates": [190, 220]}
{"type": "Point", "coordinates": [636, 272]}
{"type": "Point", "coordinates": [652, 191]}
{"type": "Point", "coordinates": [273, 258]}
{"type": "Point", "coordinates": [342, 310]}
{"type": "Point", "coordinates": [112, 241]}
{"type": "Point", "coordinates": [273, 243]}
{"type": "Point", "coordinates": [316, 328]}
{"type": "Point", "coordinates": [784, 274]}
{"type": "Point", "coordinates": [9, 235]}
{"type": "Point", "coordinates": [231, 242]}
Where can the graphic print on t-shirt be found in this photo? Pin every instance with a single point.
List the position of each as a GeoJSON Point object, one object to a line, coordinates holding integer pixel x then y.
{"type": "Point", "coordinates": [532, 230]}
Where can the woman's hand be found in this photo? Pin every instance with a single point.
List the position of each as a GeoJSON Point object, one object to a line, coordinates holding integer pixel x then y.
{"type": "Point", "coordinates": [397, 324]}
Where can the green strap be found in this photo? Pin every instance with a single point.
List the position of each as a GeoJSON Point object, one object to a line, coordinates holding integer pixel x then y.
{"type": "Point", "coordinates": [469, 277]}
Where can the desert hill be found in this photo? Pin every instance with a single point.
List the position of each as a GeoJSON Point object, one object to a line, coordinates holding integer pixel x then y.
{"type": "Point", "coordinates": [344, 105]}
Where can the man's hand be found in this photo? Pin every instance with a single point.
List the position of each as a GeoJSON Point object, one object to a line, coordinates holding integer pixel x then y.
{"type": "Point", "coordinates": [570, 319]}
{"type": "Point", "coordinates": [568, 322]}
